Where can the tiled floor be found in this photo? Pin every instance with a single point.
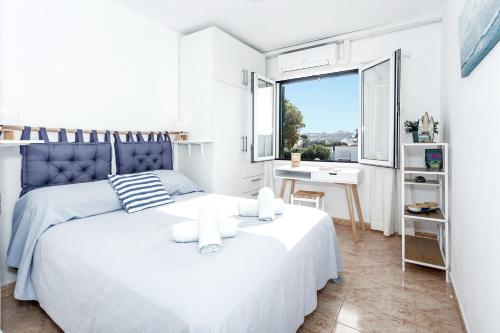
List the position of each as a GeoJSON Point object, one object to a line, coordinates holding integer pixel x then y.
{"type": "Point", "coordinates": [375, 296]}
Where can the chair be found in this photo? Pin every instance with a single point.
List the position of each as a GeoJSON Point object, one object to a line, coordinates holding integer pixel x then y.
{"type": "Point", "coordinates": [309, 196]}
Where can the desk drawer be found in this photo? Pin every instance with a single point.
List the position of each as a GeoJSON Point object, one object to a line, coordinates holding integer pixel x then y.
{"type": "Point", "coordinates": [254, 183]}
{"type": "Point", "coordinates": [334, 177]}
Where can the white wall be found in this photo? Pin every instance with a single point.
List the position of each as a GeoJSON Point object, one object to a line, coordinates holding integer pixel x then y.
{"type": "Point", "coordinates": [420, 92]}
{"type": "Point", "coordinates": [471, 117]}
{"type": "Point", "coordinates": [81, 64]}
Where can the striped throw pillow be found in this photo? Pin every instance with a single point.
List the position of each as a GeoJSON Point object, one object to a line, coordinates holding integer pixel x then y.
{"type": "Point", "coordinates": [139, 191]}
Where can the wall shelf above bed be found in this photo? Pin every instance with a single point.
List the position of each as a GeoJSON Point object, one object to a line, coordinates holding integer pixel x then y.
{"type": "Point", "coordinates": [189, 143]}
{"type": "Point", "coordinates": [16, 143]}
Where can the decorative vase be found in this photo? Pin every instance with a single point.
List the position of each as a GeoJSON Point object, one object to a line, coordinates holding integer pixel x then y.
{"type": "Point", "coordinates": [415, 136]}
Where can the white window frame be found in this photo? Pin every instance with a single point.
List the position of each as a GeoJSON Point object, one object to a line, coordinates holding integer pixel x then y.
{"type": "Point", "coordinates": [392, 161]}
{"type": "Point", "coordinates": [255, 158]}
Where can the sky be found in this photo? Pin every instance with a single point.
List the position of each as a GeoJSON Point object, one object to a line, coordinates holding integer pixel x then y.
{"type": "Point", "coordinates": [328, 104]}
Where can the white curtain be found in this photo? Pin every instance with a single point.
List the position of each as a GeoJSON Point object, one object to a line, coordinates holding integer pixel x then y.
{"type": "Point", "coordinates": [384, 199]}
{"type": "Point", "coordinates": [269, 174]}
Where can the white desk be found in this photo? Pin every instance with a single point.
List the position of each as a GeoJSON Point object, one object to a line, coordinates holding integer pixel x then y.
{"type": "Point", "coordinates": [349, 177]}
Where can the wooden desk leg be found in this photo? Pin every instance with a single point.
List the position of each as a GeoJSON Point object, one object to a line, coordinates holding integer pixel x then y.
{"type": "Point", "coordinates": [283, 187]}
{"type": "Point", "coordinates": [358, 206]}
{"type": "Point", "coordinates": [351, 213]}
{"type": "Point", "coordinates": [292, 189]}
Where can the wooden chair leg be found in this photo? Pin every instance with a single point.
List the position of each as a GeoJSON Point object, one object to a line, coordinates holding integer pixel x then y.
{"type": "Point", "coordinates": [358, 206]}
{"type": "Point", "coordinates": [351, 214]}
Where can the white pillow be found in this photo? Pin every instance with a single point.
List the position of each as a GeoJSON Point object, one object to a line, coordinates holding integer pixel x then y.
{"type": "Point", "coordinates": [138, 191]}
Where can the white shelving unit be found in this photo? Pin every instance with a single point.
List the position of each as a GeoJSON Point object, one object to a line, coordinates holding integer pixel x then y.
{"type": "Point", "coordinates": [425, 251]}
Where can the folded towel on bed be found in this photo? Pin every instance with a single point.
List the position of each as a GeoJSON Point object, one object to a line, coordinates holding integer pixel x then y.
{"type": "Point", "coordinates": [209, 240]}
{"type": "Point", "coordinates": [265, 203]}
{"type": "Point", "coordinates": [250, 208]}
{"type": "Point", "coordinates": [186, 232]}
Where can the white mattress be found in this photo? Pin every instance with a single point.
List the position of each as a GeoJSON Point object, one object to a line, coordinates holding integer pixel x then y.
{"type": "Point", "coordinates": [119, 272]}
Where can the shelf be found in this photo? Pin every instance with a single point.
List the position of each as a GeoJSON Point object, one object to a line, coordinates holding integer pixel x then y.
{"type": "Point", "coordinates": [430, 182]}
{"type": "Point", "coordinates": [190, 143]}
{"type": "Point", "coordinates": [426, 171]}
{"type": "Point", "coordinates": [17, 143]}
{"type": "Point", "coordinates": [424, 251]}
{"type": "Point", "coordinates": [436, 215]}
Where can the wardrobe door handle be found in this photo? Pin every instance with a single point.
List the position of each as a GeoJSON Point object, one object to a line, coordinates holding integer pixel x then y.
{"type": "Point", "coordinates": [246, 143]}
{"type": "Point", "coordinates": [255, 180]}
{"type": "Point", "coordinates": [242, 143]}
{"type": "Point", "coordinates": [243, 77]}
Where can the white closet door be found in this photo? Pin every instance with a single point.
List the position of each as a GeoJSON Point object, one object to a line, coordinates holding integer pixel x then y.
{"type": "Point", "coordinates": [230, 107]}
{"type": "Point", "coordinates": [379, 134]}
{"type": "Point", "coordinates": [234, 61]}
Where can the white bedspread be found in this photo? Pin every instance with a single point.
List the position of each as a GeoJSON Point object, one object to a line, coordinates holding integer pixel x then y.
{"type": "Point", "coordinates": [119, 272]}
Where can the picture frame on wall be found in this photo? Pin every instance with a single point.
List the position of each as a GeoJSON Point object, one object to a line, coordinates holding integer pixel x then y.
{"type": "Point", "coordinates": [479, 32]}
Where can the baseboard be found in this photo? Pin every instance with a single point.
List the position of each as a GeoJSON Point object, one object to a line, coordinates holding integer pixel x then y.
{"type": "Point", "coordinates": [8, 289]}
{"type": "Point", "coordinates": [458, 305]}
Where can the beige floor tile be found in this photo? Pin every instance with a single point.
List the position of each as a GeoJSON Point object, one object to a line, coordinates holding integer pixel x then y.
{"type": "Point", "coordinates": [365, 320]}
{"type": "Point", "coordinates": [438, 320]}
{"type": "Point", "coordinates": [340, 328]}
{"type": "Point", "coordinates": [329, 304]}
{"type": "Point", "coordinates": [319, 322]}
{"type": "Point", "coordinates": [25, 317]}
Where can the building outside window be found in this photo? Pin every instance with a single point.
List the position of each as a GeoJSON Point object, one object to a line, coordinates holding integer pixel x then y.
{"type": "Point", "coordinates": [319, 117]}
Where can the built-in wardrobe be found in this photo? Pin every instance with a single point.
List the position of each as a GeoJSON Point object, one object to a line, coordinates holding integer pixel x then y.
{"type": "Point", "coordinates": [216, 103]}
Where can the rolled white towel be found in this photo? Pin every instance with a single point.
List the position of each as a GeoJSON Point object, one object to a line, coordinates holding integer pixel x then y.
{"type": "Point", "coordinates": [250, 208]}
{"type": "Point", "coordinates": [266, 204]}
{"type": "Point", "coordinates": [186, 232]}
{"type": "Point", "coordinates": [209, 240]}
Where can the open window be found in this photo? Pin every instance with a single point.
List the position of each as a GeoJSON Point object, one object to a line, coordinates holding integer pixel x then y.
{"type": "Point", "coordinates": [379, 128]}
{"type": "Point", "coordinates": [263, 118]}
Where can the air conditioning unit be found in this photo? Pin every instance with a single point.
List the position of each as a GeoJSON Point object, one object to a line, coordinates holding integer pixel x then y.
{"type": "Point", "coordinates": [308, 58]}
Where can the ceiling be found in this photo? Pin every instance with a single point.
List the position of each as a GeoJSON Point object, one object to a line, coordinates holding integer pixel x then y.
{"type": "Point", "coordinates": [272, 24]}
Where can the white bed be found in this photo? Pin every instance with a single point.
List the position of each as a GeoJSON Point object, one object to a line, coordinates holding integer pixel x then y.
{"type": "Point", "coordinates": [119, 272]}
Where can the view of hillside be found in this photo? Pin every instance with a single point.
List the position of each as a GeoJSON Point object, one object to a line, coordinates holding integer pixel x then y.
{"type": "Point", "coordinates": [320, 118]}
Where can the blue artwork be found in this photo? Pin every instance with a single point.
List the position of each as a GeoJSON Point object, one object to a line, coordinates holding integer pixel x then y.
{"type": "Point", "coordinates": [479, 29]}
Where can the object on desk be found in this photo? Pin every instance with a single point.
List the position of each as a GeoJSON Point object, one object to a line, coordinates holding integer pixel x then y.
{"type": "Point", "coordinates": [309, 196]}
{"type": "Point", "coordinates": [420, 179]}
{"type": "Point", "coordinates": [434, 159]}
{"type": "Point", "coordinates": [296, 160]}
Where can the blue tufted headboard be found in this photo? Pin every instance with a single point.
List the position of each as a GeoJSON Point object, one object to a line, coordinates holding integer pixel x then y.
{"type": "Point", "coordinates": [137, 156]}
{"type": "Point", "coordinates": [63, 162]}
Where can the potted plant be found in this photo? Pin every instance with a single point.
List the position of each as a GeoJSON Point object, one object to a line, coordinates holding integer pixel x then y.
{"type": "Point", "coordinates": [412, 127]}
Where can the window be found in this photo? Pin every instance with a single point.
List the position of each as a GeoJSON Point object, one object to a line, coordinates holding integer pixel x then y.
{"type": "Point", "coordinates": [319, 117]}
{"type": "Point", "coordinates": [379, 136]}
